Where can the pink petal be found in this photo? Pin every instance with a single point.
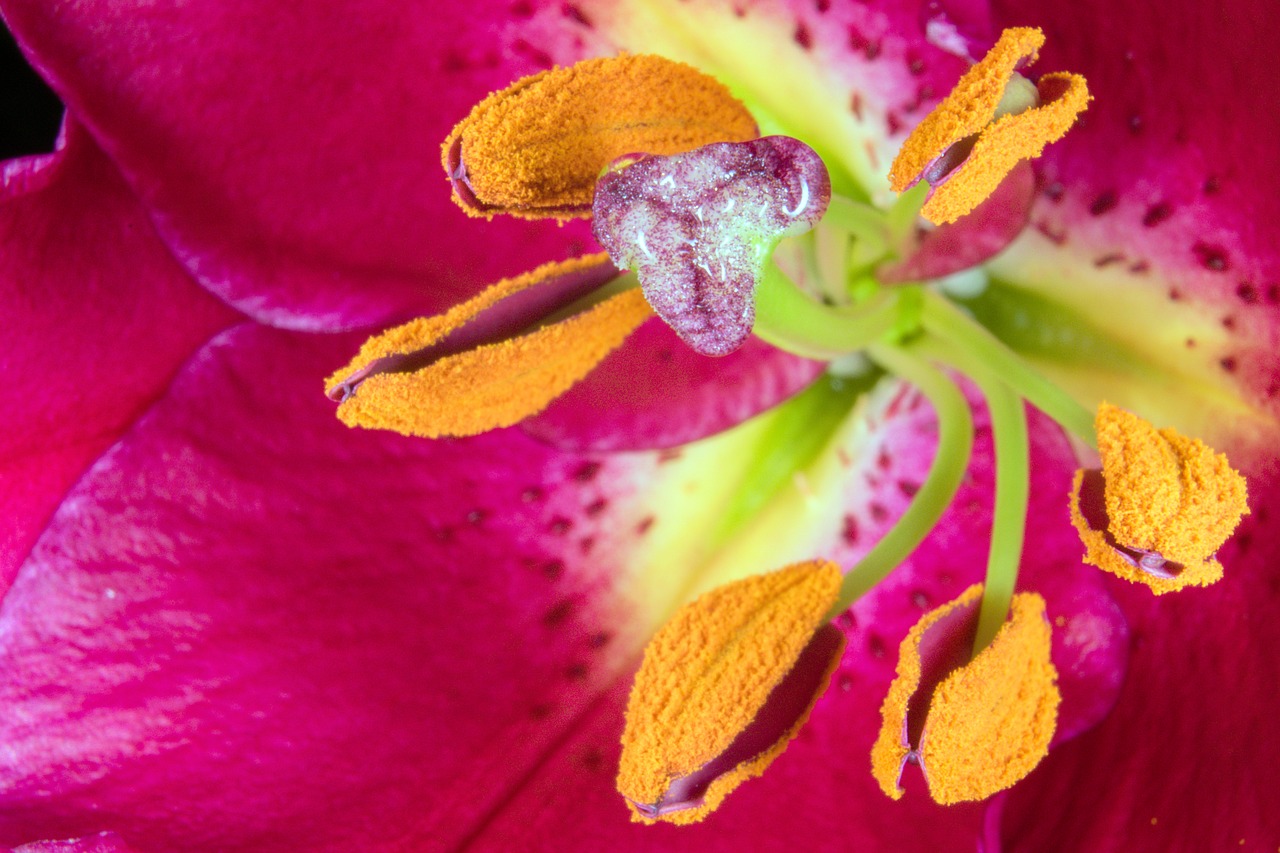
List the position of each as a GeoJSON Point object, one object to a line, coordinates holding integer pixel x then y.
{"type": "Point", "coordinates": [249, 625]}
{"type": "Point", "coordinates": [104, 842]}
{"type": "Point", "coordinates": [98, 319]}
{"type": "Point", "coordinates": [290, 156]}
{"type": "Point", "coordinates": [657, 392]}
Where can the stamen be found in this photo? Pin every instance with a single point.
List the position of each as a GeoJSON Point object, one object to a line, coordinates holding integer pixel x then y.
{"type": "Point", "coordinates": [985, 127]}
{"type": "Point", "coordinates": [1160, 508]}
{"type": "Point", "coordinates": [462, 373]}
{"type": "Point", "coordinates": [723, 688]}
{"type": "Point", "coordinates": [535, 149]}
{"type": "Point", "coordinates": [975, 727]}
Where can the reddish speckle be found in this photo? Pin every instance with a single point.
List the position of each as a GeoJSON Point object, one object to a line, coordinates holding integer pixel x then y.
{"type": "Point", "coordinates": [1156, 214]}
{"type": "Point", "coordinates": [560, 525]}
{"type": "Point", "coordinates": [855, 105]}
{"type": "Point", "coordinates": [893, 123]}
{"type": "Point", "coordinates": [878, 512]}
{"type": "Point", "coordinates": [559, 612]}
{"type": "Point", "coordinates": [876, 646]}
{"type": "Point", "coordinates": [883, 460]}
{"type": "Point", "coordinates": [1139, 267]}
{"type": "Point", "coordinates": [593, 759]}
{"type": "Point", "coordinates": [1054, 191]}
{"type": "Point", "coordinates": [845, 682]}
{"type": "Point", "coordinates": [573, 13]}
{"type": "Point", "coordinates": [1108, 260]}
{"type": "Point", "coordinates": [920, 599]}
{"type": "Point", "coordinates": [1191, 343]}
{"type": "Point", "coordinates": [671, 454]}
{"type": "Point", "coordinates": [643, 526]}
{"type": "Point", "coordinates": [1212, 185]}
{"type": "Point", "coordinates": [587, 544]}
{"type": "Point", "coordinates": [1229, 323]}
{"type": "Point", "coordinates": [553, 569]}
{"type": "Point", "coordinates": [846, 621]}
{"type": "Point", "coordinates": [1247, 292]}
{"type": "Point", "coordinates": [1228, 363]}
{"type": "Point", "coordinates": [576, 671]}
{"type": "Point", "coordinates": [476, 516]}
{"type": "Point", "coordinates": [802, 37]}
{"type": "Point", "coordinates": [872, 50]}
{"type": "Point", "coordinates": [587, 472]}
{"type": "Point", "coordinates": [531, 494]}
{"type": "Point", "coordinates": [1135, 124]}
{"type": "Point", "coordinates": [540, 711]}
{"type": "Point", "coordinates": [599, 640]}
{"type": "Point", "coordinates": [596, 507]}
{"type": "Point", "coordinates": [1273, 294]}
{"type": "Point", "coordinates": [536, 55]}
{"type": "Point", "coordinates": [823, 6]}
{"type": "Point", "coordinates": [1211, 257]}
{"type": "Point", "coordinates": [916, 66]}
{"type": "Point", "coordinates": [908, 489]}
{"type": "Point", "coordinates": [1175, 295]}
{"type": "Point", "coordinates": [1103, 203]}
{"type": "Point", "coordinates": [1056, 236]}
{"type": "Point", "coordinates": [522, 9]}
{"type": "Point", "coordinates": [849, 532]}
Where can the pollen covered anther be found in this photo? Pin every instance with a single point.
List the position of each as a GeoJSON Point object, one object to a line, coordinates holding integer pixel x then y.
{"type": "Point", "coordinates": [1160, 508]}
{"type": "Point", "coordinates": [992, 120]}
{"type": "Point", "coordinates": [974, 727]}
{"type": "Point", "coordinates": [723, 688]}
{"type": "Point", "coordinates": [479, 367]}
{"type": "Point", "coordinates": [534, 149]}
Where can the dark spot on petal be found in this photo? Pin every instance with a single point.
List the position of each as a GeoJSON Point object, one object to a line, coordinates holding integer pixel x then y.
{"type": "Point", "coordinates": [823, 6]}
{"type": "Point", "coordinates": [553, 569]}
{"type": "Point", "coordinates": [1247, 292]}
{"type": "Point", "coordinates": [1190, 343]}
{"type": "Point", "coordinates": [671, 454]}
{"type": "Point", "coordinates": [878, 512]}
{"type": "Point", "coordinates": [872, 50]}
{"type": "Point", "coordinates": [849, 532]}
{"type": "Point", "coordinates": [587, 472]}
{"type": "Point", "coordinates": [920, 599]}
{"type": "Point", "coordinates": [846, 621]}
{"type": "Point", "coordinates": [1103, 203]}
{"type": "Point", "coordinates": [477, 515]}
{"type": "Point", "coordinates": [1211, 257]}
{"type": "Point", "coordinates": [1156, 214]}
{"type": "Point", "coordinates": [883, 460]}
{"type": "Point", "coordinates": [599, 640]}
{"type": "Point", "coordinates": [1244, 541]}
{"type": "Point", "coordinates": [587, 544]}
{"type": "Point", "coordinates": [916, 66]}
{"type": "Point", "coordinates": [1054, 191]}
{"type": "Point", "coordinates": [593, 760]}
{"type": "Point", "coordinates": [531, 494]}
{"type": "Point", "coordinates": [576, 671]}
{"type": "Point", "coordinates": [1212, 185]}
{"type": "Point", "coordinates": [1135, 124]}
{"type": "Point", "coordinates": [536, 55]}
{"type": "Point", "coordinates": [802, 37]}
{"type": "Point", "coordinates": [1273, 294]}
{"type": "Point", "coordinates": [875, 645]}
{"type": "Point", "coordinates": [1139, 267]}
{"type": "Point", "coordinates": [559, 612]}
{"type": "Point", "coordinates": [573, 13]}
{"type": "Point", "coordinates": [1229, 323]}
{"type": "Point", "coordinates": [1228, 363]}
{"type": "Point", "coordinates": [1057, 236]}
{"type": "Point", "coordinates": [893, 123]}
{"type": "Point", "coordinates": [443, 534]}
{"type": "Point", "coordinates": [540, 711]}
{"type": "Point", "coordinates": [522, 9]}
{"type": "Point", "coordinates": [560, 525]}
{"type": "Point", "coordinates": [1175, 295]}
{"type": "Point", "coordinates": [1108, 260]}
{"type": "Point", "coordinates": [908, 489]}
{"type": "Point", "coordinates": [855, 105]}
{"type": "Point", "coordinates": [596, 507]}
{"type": "Point", "coordinates": [844, 682]}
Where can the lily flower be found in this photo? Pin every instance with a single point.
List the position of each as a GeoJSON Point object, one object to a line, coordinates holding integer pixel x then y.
{"type": "Point", "coordinates": [230, 623]}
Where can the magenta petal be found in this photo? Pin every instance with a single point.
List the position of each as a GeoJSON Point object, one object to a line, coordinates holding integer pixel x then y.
{"type": "Point", "coordinates": [290, 155]}
{"type": "Point", "coordinates": [103, 842]}
{"type": "Point", "coordinates": [657, 392]}
{"type": "Point", "coordinates": [246, 612]}
{"type": "Point", "coordinates": [98, 317]}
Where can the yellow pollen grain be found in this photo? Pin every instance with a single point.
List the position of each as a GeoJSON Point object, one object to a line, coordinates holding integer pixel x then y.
{"type": "Point", "coordinates": [535, 149]}
{"type": "Point", "coordinates": [1008, 141]}
{"type": "Point", "coordinates": [707, 673]}
{"type": "Point", "coordinates": [496, 385]}
{"type": "Point", "coordinates": [1164, 492]}
{"type": "Point", "coordinates": [424, 331]}
{"type": "Point", "coordinates": [989, 723]}
{"type": "Point", "coordinates": [1000, 144]}
{"type": "Point", "coordinates": [968, 108]}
